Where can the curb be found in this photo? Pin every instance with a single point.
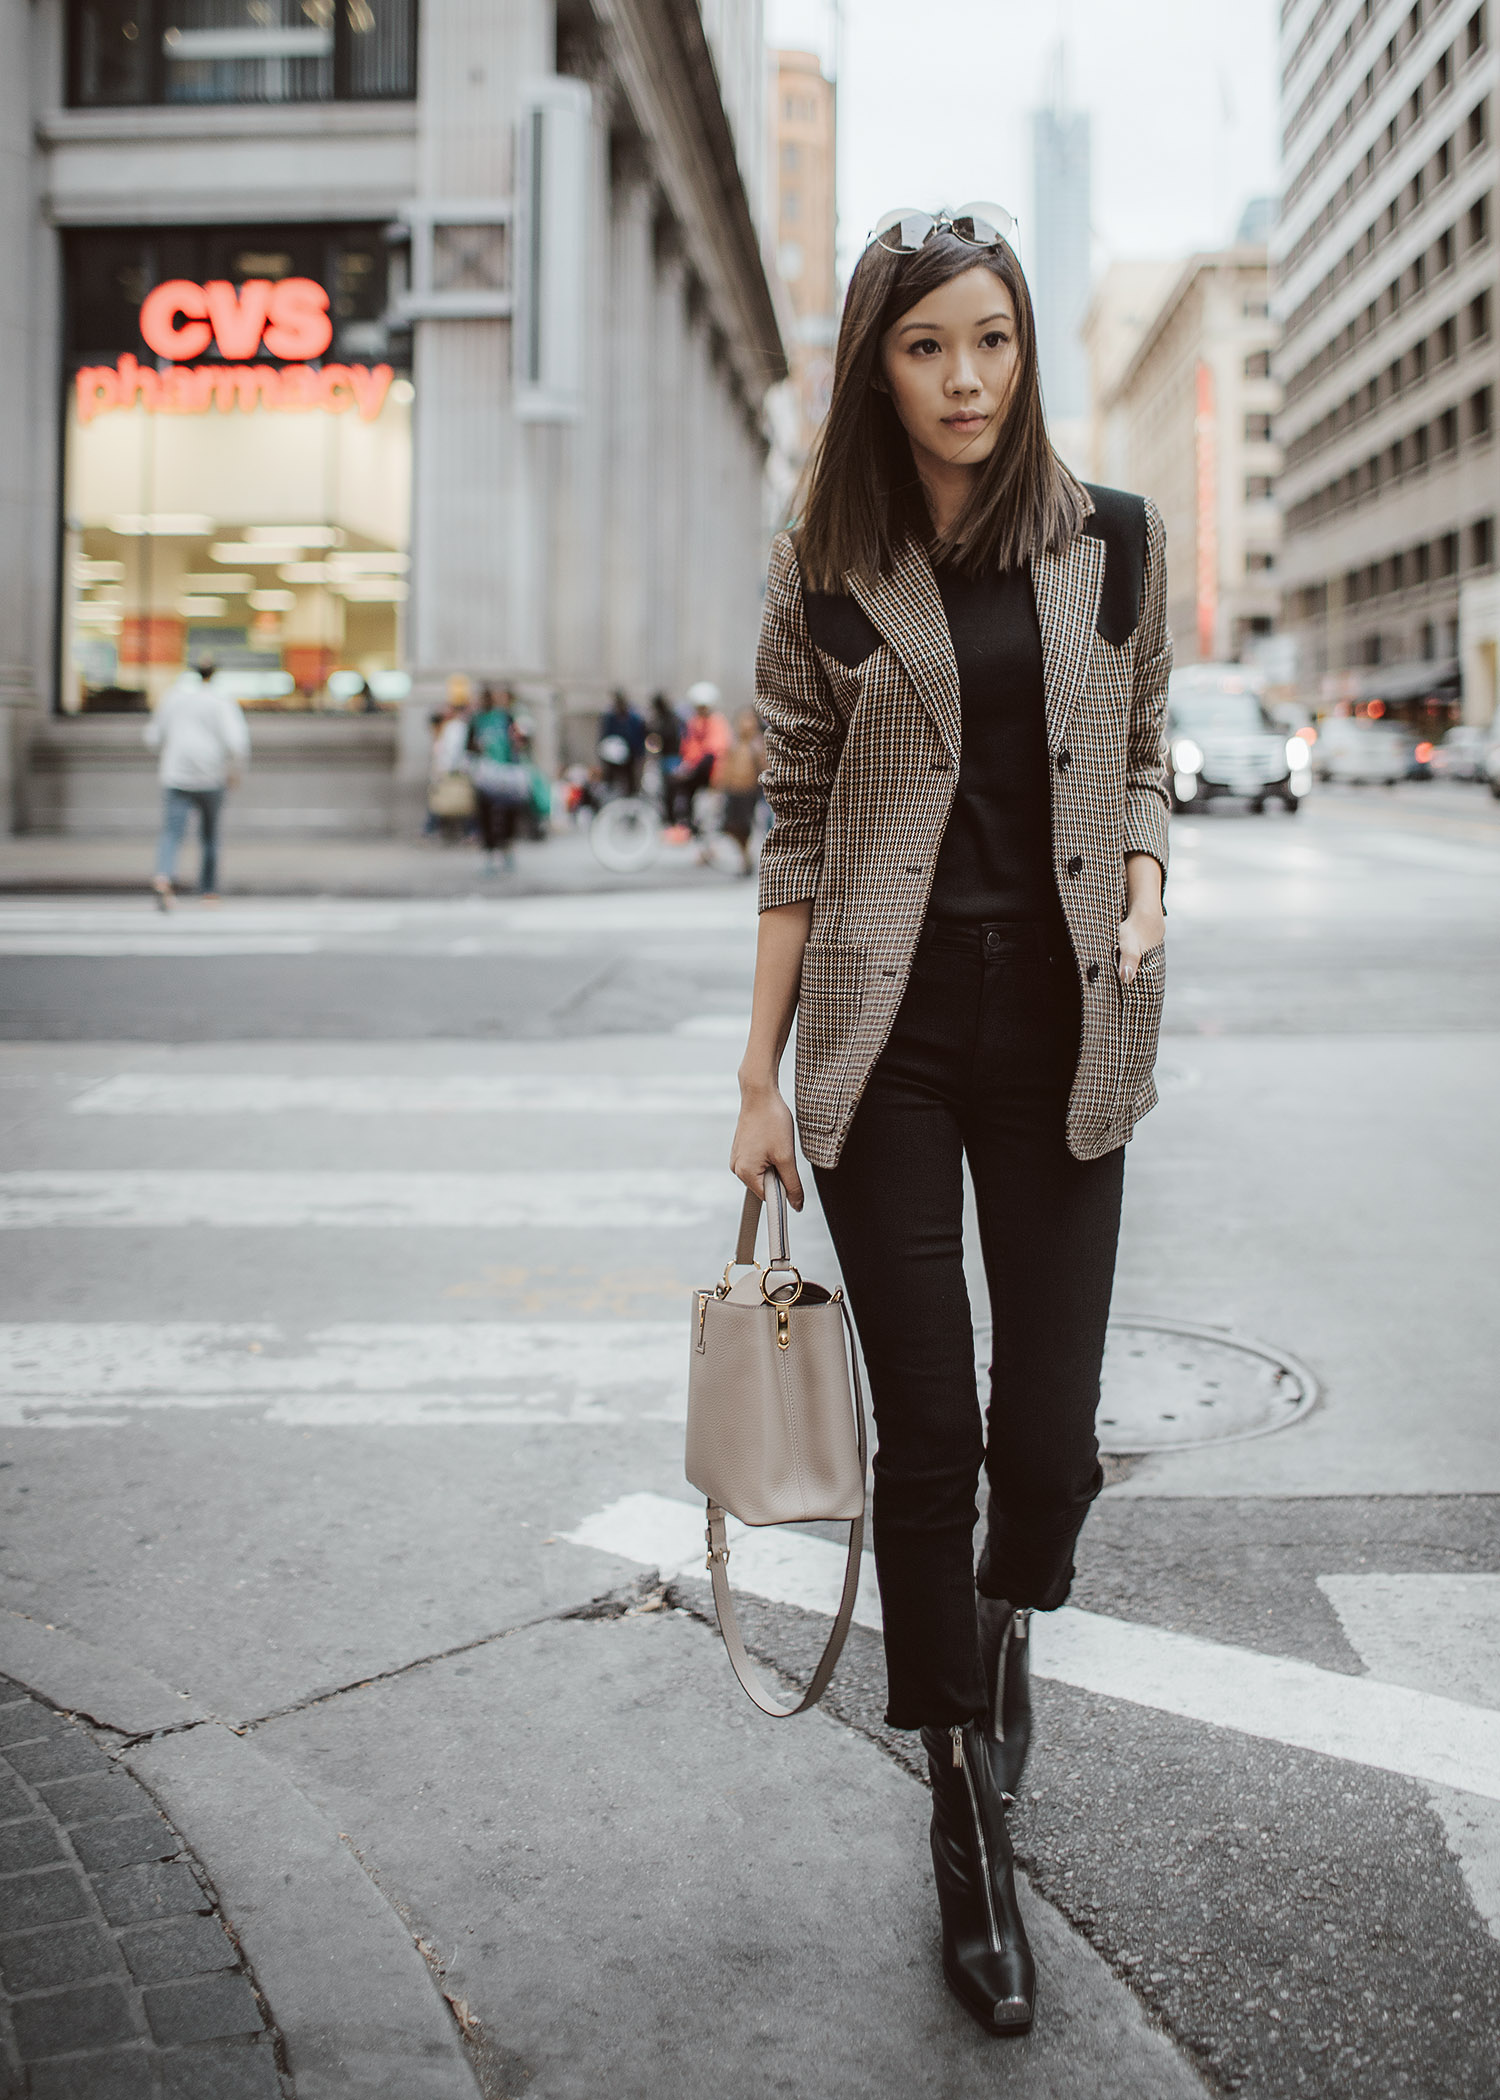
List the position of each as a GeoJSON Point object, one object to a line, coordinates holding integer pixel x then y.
{"type": "Point", "coordinates": [353, 2001]}
{"type": "Point", "coordinates": [81, 1679]}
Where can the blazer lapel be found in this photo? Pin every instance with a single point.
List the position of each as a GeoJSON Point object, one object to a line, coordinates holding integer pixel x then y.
{"type": "Point", "coordinates": [908, 610]}
{"type": "Point", "coordinates": [1067, 589]}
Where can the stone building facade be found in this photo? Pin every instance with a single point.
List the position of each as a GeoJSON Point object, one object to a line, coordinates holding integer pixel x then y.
{"type": "Point", "coordinates": [1188, 422]}
{"type": "Point", "coordinates": [1385, 276]}
{"type": "Point", "coordinates": [360, 345]}
{"type": "Point", "coordinates": [804, 144]}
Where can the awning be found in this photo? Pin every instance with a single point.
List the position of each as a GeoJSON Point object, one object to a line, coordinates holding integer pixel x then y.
{"type": "Point", "coordinates": [1411, 681]}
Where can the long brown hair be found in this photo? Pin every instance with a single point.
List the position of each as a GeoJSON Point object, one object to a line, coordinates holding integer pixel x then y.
{"type": "Point", "coordinates": [864, 496]}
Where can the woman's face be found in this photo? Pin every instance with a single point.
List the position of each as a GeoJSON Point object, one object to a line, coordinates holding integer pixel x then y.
{"type": "Point", "coordinates": [950, 365]}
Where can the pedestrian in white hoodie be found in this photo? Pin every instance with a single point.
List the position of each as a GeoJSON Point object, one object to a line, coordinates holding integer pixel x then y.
{"type": "Point", "coordinates": [204, 742]}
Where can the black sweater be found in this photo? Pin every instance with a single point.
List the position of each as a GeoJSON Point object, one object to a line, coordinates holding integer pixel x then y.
{"type": "Point", "coordinates": [996, 857]}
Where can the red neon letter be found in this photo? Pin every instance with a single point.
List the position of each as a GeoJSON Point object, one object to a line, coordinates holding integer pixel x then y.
{"type": "Point", "coordinates": [160, 311]}
{"type": "Point", "coordinates": [98, 389]}
{"type": "Point", "coordinates": [238, 319]}
{"type": "Point", "coordinates": [370, 389]}
{"type": "Point", "coordinates": [300, 326]}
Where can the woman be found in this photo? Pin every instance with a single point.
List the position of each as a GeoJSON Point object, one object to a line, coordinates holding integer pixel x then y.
{"type": "Point", "coordinates": [501, 787]}
{"type": "Point", "coordinates": [737, 774]}
{"type": "Point", "coordinates": [962, 676]}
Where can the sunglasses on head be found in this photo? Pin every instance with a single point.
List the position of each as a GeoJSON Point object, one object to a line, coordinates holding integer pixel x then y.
{"type": "Point", "coordinates": [904, 231]}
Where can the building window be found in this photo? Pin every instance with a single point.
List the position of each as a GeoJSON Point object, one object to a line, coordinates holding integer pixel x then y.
{"type": "Point", "coordinates": [1446, 341]}
{"type": "Point", "coordinates": [1475, 128]}
{"type": "Point", "coordinates": [1258, 488]}
{"type": "Point", "coordinates": [1258, 365]}
{"type": "Point", "coordinates": [125, 53]}
{"type": "Point", "coordinates": [237, 465]}
{"type": "Point", "coordinates": [1258, 560]}
{"type": "Point", "coordinates": [1447, 563]}
{"type": "Point", "coordinates": [1447, 430]}
{"type": "Point", "coordinates": [1479, 221]}
{"type": "Point", "coordinates": [1474, 35]}
{"type": "Point", "coordinates": [1258, 428]}
{"type": "Point", "coordinates": [791, 204]}
{"type": "Point", "coordinates": [1481, 412]}
{"type": "Point", "coordinates": [1479, 318]}
{"type": "Point", "coordinates": [1481, 543]}
{"type": "Point", "coordinates": [791, 159]}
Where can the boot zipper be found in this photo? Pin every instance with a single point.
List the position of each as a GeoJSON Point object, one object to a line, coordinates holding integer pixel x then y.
{"type": "Point", "coordinates": [984, 1850]}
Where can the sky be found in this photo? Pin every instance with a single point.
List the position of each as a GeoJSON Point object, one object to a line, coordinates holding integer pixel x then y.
{"type": "Point", "coordinates": [934, 95]}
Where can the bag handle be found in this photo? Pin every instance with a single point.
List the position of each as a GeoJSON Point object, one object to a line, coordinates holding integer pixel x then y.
{"type": "Point", "coordinates": [718, 1545]}
{"type": "Point", "coordinates": [775, 1205]}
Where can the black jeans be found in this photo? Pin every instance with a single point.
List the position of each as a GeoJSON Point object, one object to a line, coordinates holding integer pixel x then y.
{"type": "Point", "coordinates": [979, 1062]}
{"type": "Point", "coordinates": [497, 820]}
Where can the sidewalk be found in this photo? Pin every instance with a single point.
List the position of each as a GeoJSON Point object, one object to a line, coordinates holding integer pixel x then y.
{"type": "Point", "coordinates": [620, 1881]}
{"type": "Point", "coordinates": [44, 866]}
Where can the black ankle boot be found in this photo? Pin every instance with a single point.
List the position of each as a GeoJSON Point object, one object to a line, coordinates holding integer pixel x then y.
{"type": "Point", "coordinates": [986, 1958]}
{"type": "Point", "coordinates": [1005, 1651]}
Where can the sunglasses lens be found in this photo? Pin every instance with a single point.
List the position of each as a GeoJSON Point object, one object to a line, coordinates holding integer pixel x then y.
{"type": "Point", "coordinates": [903, 232]}
{"type": "Point", "coordinates": [983, 224]}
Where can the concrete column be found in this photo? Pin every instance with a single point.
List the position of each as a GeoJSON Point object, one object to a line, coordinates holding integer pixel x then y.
{"type": "Point", "coordinates": [669, 409]}
{"type": "Point", "coordinates": [628, 566]}
{"type": "Point", "coordinates": [480, 522]}
{"type": "Point", "coordinates": [27, 423]}
{"type": "Point", "coordinates": [576, 625]}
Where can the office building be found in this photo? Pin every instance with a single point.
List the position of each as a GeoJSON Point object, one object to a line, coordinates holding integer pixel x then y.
{"type": "Point", "coordinates": [1056, 248]}
{"type": "Point", "coordinates": [1384, 265]}
{"type": "Point", "coordinates": [804, 145]}
{"type": "Point", "coordinates": [1187, 421]}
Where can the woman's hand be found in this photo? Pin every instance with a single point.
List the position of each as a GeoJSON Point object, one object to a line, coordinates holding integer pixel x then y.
{"type": "Point", "coordinates": [764, 1137]}
{"type": "Point", "coordinates": [1144, 925]}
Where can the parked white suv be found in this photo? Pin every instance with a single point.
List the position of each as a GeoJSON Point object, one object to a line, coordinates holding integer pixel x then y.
{"type": "Point", "coordinates": [1221, 741]}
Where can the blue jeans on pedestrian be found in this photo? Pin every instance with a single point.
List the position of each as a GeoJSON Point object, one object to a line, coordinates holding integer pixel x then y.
{"type": "Point", "coordinates": [177, 805]}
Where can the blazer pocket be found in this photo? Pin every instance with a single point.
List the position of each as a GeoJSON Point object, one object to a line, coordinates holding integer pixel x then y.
{"type": "Point", "coordinates": [1141, 1003]}
{"type": "Point", "coordinates": [828, 1010]}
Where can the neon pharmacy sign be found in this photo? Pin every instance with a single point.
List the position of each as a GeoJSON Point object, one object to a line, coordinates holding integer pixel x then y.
{"type": "Point", "coordinates": [180, 319]}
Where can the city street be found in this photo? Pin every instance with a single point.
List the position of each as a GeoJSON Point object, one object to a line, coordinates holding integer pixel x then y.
{"type": "Point", "coordinates": [343, 1326]}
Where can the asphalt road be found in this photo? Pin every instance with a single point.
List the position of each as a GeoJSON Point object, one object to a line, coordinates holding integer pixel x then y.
{"type": "Point", "coordinates": [347, 1249]}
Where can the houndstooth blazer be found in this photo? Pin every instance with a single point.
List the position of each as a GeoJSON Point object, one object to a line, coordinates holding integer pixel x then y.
{"type": "Point", "coordinates": [860, 699]}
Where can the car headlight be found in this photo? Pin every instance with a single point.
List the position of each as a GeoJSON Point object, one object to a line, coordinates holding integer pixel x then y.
{"type": "Point", "coordinates": [1297, 754]}
{"type": "Point", "coordinates": [1186, 756]}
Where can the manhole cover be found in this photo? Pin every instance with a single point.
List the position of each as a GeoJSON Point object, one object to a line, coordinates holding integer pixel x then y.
{"type": "Point", "coordinates": [1167, 1386]}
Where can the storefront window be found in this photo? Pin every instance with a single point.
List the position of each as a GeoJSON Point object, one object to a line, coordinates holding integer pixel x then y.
{"type": "Point", "coordinates": [238, 468]}
{"type": "Point", "coordinates": [145, 51]}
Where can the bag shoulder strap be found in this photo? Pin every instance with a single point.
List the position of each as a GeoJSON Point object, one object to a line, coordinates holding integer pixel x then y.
{"type": "Point", "coordinates": [718, 1547]}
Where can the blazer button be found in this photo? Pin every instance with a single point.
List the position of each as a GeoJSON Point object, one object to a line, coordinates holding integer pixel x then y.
{"type": "Point", "coordinates": [1075, 865]}
{"type": "Point", "coordinates": [1093, 973]}
{"type": "Point", "coordinates": [1064, 760]}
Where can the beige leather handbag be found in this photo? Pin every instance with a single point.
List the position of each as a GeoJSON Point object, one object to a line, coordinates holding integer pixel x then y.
{"type": "Point", "coordinates": [775, 1430]}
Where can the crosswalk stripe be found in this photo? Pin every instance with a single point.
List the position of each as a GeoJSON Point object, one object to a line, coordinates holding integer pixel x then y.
{"type": "Point", "coordinates": [403, 1094]}
{"type": "Point", "coordinates": [648, 1198]}
{"type": "Point", "coordinates": [1360, 1720]}
{"type": "Point", "coordinates": [76, 1374]}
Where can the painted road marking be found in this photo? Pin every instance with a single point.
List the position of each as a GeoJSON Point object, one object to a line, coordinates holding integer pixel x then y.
{"type": "Point", "coordinates": [1437, 1633]}
{"type": "Point", "coordinates": [80, 1374]}
{"type": "Point", "coordinates": [152, 943]}
{"type": "Point", "coordinates": [589, 919]}
{"type": "Point", "coordinates": [401, 1094]}
{"type": "Point", "coordinates": [643, 1200]}
{"type": "Point", "coordinates": [1360, 1720]}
